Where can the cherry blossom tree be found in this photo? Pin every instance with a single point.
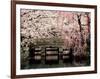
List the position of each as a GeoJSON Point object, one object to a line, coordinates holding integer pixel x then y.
{"type": "Point", "coordinates": [71, 29]}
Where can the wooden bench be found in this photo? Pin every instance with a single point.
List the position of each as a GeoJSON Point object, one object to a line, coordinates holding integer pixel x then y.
{"type": "Point", "coordinates": [67, 55]}
{"type": "Point", "coordinates": [35, 55]}
{"type": "Point", "coordinates": [51, 55]}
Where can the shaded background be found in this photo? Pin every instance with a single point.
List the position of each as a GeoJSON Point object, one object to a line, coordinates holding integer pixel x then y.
{"type": "Point", "coordinates": [62, 29]}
